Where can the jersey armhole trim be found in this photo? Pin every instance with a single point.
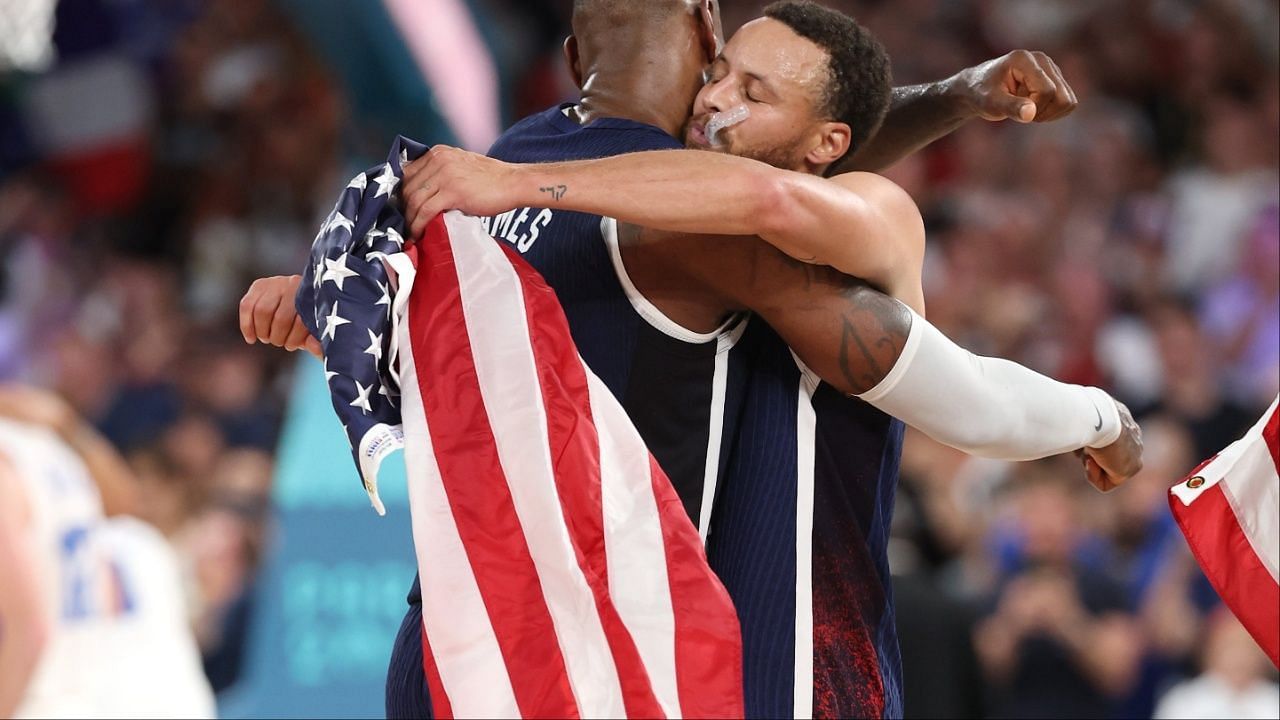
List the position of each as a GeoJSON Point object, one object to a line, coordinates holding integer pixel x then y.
{"type": "Point", "coordinates": [732, 327]}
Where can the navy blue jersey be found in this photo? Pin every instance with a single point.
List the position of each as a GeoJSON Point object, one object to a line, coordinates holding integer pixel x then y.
{"type": "Point", "coordinates": [681, 389]}
{"type": "Point", "coordinates": [675, 384]}
{"type": "Point", "coordinates": [802, 478]}
{"type": "Point", "coordinates": [799, 537]}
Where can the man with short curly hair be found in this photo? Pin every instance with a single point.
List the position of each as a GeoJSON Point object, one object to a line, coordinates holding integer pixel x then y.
{"type": "Point", "coordinates": [857, 84]}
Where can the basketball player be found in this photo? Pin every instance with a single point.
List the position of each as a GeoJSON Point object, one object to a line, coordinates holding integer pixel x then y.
{"type": "Point", "coordinates": [810, 84]}
{"type": "Point", "coordinates": [680, 367]}
{"type": "Point", "coordinates": [92, 618]}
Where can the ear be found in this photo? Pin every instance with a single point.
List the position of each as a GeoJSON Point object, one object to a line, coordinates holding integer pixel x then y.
{"type": "Point", "coordinates": [572, 60]}
{"type": "Point", "coordinates": [832, 144]}
{"type": "Point", "coordinates": [710, 33]}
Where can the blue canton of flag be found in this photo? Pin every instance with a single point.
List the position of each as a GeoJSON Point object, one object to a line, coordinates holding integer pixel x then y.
{"type": "Point", "coordinates": [345, 299]}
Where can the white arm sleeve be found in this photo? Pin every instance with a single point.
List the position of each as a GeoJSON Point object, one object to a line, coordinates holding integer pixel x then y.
{"type": "Point", "coordinates": [987, 406]}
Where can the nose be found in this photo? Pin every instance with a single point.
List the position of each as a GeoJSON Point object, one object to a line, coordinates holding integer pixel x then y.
{"type": "Point", "coordinates": [718, 95]}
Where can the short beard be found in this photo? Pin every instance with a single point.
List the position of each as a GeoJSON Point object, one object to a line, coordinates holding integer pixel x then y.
{"type": "Point", "coordinates": [787, 157]}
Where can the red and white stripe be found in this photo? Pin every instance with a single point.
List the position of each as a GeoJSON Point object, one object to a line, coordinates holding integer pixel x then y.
{"type": "Point", "coordinates": [1229, 511]}
{"type": "Point", "coordinates": [560, 574]}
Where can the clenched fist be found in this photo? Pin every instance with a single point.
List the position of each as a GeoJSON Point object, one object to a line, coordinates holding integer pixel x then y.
{"type": "Point", "coordinates": [267, 315]}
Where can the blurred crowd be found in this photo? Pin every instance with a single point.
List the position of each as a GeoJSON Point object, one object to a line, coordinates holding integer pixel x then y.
{"type": "Point", "coordinates": [178, 149]}
{"type": "Point", "coordinates": [175, 151]}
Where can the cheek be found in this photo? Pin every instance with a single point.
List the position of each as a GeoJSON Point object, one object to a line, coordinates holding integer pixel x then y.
{"type": "Point", "coordinates": [762, 131]}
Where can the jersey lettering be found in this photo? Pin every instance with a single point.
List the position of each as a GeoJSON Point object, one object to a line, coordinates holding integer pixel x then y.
{"type": "Point", "coordinates": [517, 227]}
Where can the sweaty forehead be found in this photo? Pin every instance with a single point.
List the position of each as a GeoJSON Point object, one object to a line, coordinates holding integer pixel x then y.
{"type": "Point", "coordinates": [770, 49]}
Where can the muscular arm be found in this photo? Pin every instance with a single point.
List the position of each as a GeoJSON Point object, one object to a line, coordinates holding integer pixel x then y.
{"type": "Point", "coordinates": [1021, 85]}
{"type": "Point", "coordinates": [23, 621]}
{"type": "Point", "coordinates": [867, 344]}
{"type": "Point", "coordinates": [918, 115]}
{"type": "Point", "coordinates": [860, 223]}
{"type": "Point", "coordinates": [872, 346]}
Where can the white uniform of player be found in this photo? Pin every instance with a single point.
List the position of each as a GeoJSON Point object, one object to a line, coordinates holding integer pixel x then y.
{"type": "Point", "coordinates": [120, 645]}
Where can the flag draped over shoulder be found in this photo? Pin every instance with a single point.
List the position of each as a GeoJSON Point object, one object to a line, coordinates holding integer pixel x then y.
{"type": "Point", "coordinates": [1229, 511]}
{"type": "Point", "coordinates": [561, 576]}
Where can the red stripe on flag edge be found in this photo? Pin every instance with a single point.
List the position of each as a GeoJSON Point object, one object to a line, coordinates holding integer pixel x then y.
{"type": "Point", "coordinates": [708, 636]}
{"type": "Point", "coordinates": [474, 483]}
{"type": "Point", "coordinates": [442, 708]}
{"type": "Point", "coordinates": [1229, 562]}
{"type": "Point", "coordinates": [575, 453]}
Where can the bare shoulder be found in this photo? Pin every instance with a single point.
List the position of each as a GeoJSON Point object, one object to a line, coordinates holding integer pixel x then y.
{"type": "Point", "coordinates": [871, 183]}
{"type": "Point", "coordinates": [886, 196]}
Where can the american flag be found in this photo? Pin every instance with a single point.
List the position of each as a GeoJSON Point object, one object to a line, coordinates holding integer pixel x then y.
{"type": "Point", "coordinates": [1229, 511]}
{"type": "Point", "coordinates": [561, 576]}
{"type": "Point", "coordinates": [345, 300]}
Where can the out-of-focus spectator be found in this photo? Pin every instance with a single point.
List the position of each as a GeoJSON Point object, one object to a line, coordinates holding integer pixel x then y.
{"type": "Point", "coordinates": [1234, 683]}
{"type": "Point", "coordinates": [1059, 642]}
{"type": "Point", "coordinates": [1215, 201]}
{"type": "Point", "coordinates": [1192, 387]}
{"type": "Point", "coordinates": [1241, 315]}
{"type": "Point", "coordinates": [943, 678]}
{"type": "Point", "coordinates": [225, 544]}
{"type": "Point", "coordinates": [112, 621]}
{"type": "Point", "coordinates": [1165, 588]}
{"type": "Point", "coordinates": [172, 152]}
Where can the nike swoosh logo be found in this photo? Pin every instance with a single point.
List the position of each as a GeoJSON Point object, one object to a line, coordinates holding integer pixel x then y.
{"type": "Point", "coordinates": [1099, 414]}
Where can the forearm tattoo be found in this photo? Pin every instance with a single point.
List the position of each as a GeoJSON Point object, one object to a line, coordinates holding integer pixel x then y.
{"type": "Point", "coordinates": [555, 191]}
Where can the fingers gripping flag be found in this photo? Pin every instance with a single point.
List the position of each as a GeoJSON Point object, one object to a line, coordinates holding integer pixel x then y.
{"type": "Point", "coordinates": [1229, 511]}
{"type": "Point", "coordinates": [561, 576]}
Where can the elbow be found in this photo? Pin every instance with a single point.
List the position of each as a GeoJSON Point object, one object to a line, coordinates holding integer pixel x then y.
{"type": "Point", "coordinates": [776, 206]}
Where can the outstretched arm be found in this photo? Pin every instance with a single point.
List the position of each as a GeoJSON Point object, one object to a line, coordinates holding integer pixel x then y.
{"type": "Point", "coordinates": [993, 407]}
{"type": "Point", "coordinates": [862, 224]}
{"type": "Point", "coordinates": [1022, 86]}
{"type": "Point", "coordinates": [898, 362]}
{"type": "Point", "coordinates": [869, 345]}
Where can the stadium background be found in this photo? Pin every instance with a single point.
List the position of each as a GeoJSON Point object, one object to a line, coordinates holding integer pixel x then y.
{"type": "Point", "coordinates": [158, 155]}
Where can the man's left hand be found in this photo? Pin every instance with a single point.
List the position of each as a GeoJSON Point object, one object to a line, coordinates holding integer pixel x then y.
{"type": "Point", "coordinates": [1024, 86]}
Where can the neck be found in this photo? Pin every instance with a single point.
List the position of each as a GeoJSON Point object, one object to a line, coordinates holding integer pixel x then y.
{"type": "Point", "coordinates": [657, 89]}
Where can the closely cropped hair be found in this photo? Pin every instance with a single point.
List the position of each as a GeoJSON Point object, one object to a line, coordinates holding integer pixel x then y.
{"type": "Point", "coordinates": [624, 12]}
{"type": "Point", "coordinates": [859, 79]}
